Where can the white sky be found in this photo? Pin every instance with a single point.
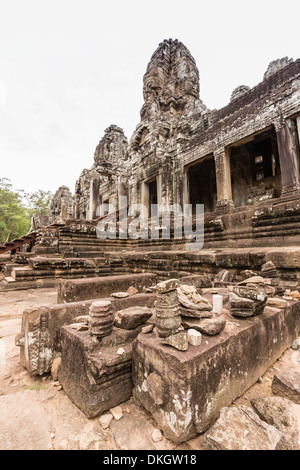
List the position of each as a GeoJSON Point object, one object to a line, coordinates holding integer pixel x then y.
{"type": "Point", "coordinates": [70, 68]}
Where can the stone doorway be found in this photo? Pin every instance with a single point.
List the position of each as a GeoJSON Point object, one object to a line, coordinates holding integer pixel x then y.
{"type": "Point", "coordinates": [202, 188]}
{"type": "Point", "coordinates": [255, 170]}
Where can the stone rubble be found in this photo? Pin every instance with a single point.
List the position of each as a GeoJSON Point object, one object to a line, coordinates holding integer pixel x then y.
{"type": "Point", "coordinates": [178, 341]}
{"type": "Point", "coordinates": [132, 317]}
{"type": "Point", "coordinates": [283, 414]}
{"type": "Point", "coordinates": [287, 384]}
{"type": "Point", "coordinates": [210, 326]}
{"type": "Point", "coordinates": [116, 412]}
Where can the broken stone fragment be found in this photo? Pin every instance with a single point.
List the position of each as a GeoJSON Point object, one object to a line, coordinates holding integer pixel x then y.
{"type": "Point", "coordinates": [194, 301]}
{"type": "Point", "coordinates": [132, 290]}
{"type": "Point", "coordinates": [166, 286]}
{"type": "Point", "coordinates": [178, 341]}
{"type": "Point", "coordinates": [147, 328]}
{"type": "Point", "coordinates": [105, 420]}
{"type": "Point", "coordinates": [54, 368]}
{"type": "Point", "coordinates": [120, 295]}
{"type": "Point", "coordinates": [247, 301]}
{"type": "Point", "coordinates": [192, 294]}
{"type": "Point", "coordinates": [210, 326]}
{"type": "Point", "coordinates": [187, 312]}
{"type": "Point", "coordinates": [283, 414]}
{"type": "Point", "coordinates": [241, 429]}
{"type": "Point", "coordinates": [81, 319]}
{"type": "Point", "coordinates": [187, 289]}
{"type": "Point", "coordinates": [296, 344]}
{"type": "Point", "coordinates": [287, 295]}
{"type": "Point", "coordinates": [269, 269]}
{"type": "Point", "coordinates": [276, 302]}
{"type": "Point", "coordinates": [116, 412]}
{"type": "Point", "coordinates": [246, 273]}
{"type": "Point", "coordinates": [295, 294]}
{"type": "Point", "coordinates": [156, 435]}
{"type": "Point", "coordinates": [252, 280]}
{"type": "Point", "coordinates": [132, 317]}
{"type": "Point", "coordinates": [243, 307]}
{"type": "Point", "coordinates": [270, 291]}
{"type": "Point", "coordinates": [194, 337]}
{"type": "Point", "coordinates": [120, 351]}
{"type": "Point", "coordinates": [197, 280]}
{"type": "Point", "coordinates": [223, 276]}
{"type": "Point", "coordinates": [286, 384]}
{"type": "Point", "coordinates": [79, 326]}
{"type": "Point", "coordinates": [250, 293]}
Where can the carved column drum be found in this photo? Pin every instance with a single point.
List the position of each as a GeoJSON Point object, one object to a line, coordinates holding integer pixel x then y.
{"type": "Point", "coordinates": [167, 312]}
{"type": "Point", "coordinates": [101, 318]}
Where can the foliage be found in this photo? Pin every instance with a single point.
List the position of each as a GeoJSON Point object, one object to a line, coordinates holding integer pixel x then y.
{"type": "Point", "coordinates": [39, 202]}
{"type": "Point", "coordinates": [17, 209]}
{"type": "Point", "coordinates": [14, 220]}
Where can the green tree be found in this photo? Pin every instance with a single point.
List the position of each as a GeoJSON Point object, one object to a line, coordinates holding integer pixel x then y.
{"type": "Point", "coordinates": [14, 219]}
{"type": "Point", "coordinates": [39, 202]}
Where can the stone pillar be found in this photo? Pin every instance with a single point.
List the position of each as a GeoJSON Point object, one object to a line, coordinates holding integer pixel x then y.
{"type": "Point", "coordinates": [145, 199]}
{"type": "Point", "coordinates": [159, 189]}
{"type": "Point", "coordinates": [223, 178]}
{"type": "Point", "coordinates": [289, 161]}
{"type": "Point", "coordinates": [94, 198]}
{"type": "Point", "coordinates": [298, 127]}
{"type": "Point", "coordinates": [185, 189]}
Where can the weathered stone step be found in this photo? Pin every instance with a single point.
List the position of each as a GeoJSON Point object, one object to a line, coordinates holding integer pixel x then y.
{"type": "Point", "coordinates": [72, 290]}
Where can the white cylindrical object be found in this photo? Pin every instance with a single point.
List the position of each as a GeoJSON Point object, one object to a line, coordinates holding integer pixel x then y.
{"type": "Point", "coordinates": [217, 304]}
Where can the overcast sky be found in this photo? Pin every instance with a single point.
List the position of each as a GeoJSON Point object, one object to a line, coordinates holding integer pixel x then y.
{"type": "Point", "coordinates": [70, 68]}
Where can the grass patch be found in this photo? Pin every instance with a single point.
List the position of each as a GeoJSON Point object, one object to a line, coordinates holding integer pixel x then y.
{"type": "Point", "coordinates": [35, 387]}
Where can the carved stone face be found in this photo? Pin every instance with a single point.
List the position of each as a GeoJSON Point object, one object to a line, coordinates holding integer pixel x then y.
{"type": "Point", "coordinates": [171, 79]}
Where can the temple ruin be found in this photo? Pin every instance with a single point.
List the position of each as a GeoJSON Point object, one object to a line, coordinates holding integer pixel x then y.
{"type": "Point", "coordinates": [185, 331]}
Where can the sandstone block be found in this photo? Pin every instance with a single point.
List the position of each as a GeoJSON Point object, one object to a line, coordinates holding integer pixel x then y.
{"type": "Point", "coordinates": [166, 286]}
{"type": "Point", "coordinates": [276, 302]}
{"type": "Point", "coordinates": [209, 326]}
{"type": "Point", "coordinates": [132, 317]}
{"type": "Point", "coordinates": [283, 414]}
{"type": "Point", "coordinates": [286, 384]}
{"type": "Point", "coordinates": [241, 429]}
{"type": "Point", "coordinates": [178, 341]}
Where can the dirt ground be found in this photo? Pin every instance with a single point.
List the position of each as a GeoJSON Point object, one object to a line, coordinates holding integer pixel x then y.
{"type": "Point", "coordinates": [36, 414]}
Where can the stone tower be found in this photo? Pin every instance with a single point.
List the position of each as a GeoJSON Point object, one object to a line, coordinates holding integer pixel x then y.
{"type": "Point", "coordinates": [171, 81]}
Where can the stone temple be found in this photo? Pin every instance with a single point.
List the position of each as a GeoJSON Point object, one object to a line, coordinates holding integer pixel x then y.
{"type": "Point", "coordinates": [144, 315]}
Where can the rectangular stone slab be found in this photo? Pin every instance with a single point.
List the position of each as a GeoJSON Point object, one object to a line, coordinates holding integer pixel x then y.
{"type": "Point", "coordinates": [72, 290]}
{"type": "Point", "coordinates": [185, 391]}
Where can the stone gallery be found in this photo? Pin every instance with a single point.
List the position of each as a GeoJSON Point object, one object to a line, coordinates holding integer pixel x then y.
{"type": "Point", "coordinates": [184, 331]}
